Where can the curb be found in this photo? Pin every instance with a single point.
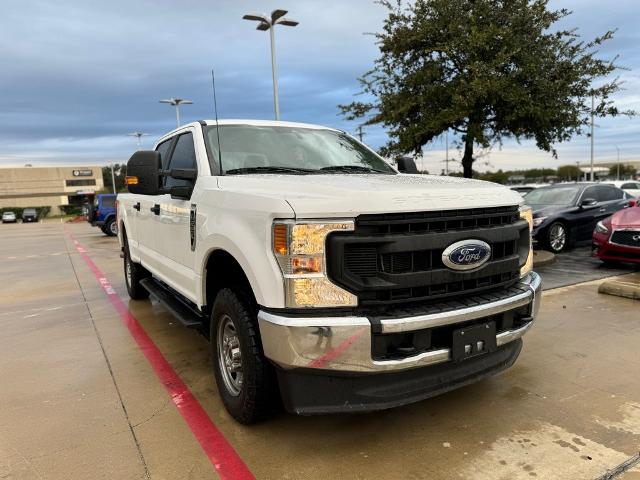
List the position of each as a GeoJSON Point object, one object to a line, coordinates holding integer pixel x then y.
{"type": "Point", "coordinates": [542, 257]}
{"type": "Point", "coordinates": [620, 289]}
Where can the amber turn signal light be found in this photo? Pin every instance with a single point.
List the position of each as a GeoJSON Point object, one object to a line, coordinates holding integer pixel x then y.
{"type": "Point", "coordinates": [280, 244]}
{"type": "Point", "coordinates": [131, 180]}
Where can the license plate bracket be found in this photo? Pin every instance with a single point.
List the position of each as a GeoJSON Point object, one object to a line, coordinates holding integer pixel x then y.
{"type": "Point", "coordinates": [473, 341]}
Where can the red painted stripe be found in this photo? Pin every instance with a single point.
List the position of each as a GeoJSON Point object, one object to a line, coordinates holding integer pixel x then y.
{"type": "Point", "coordinates": [222, 455]}
{"type": "Point", "coordinates": [334, 353]}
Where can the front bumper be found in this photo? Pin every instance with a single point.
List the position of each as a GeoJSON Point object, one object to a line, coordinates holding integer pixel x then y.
{"type": "Point", "coordinates": [344, 344]}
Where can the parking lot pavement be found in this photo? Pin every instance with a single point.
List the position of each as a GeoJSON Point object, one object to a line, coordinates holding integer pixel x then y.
{"type": "Point", "coordinates": [577, 265]}
{"type": "Point", "coordinates": [80, 400]}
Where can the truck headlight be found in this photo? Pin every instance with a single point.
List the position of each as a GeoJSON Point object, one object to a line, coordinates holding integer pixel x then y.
{"type": "Point", "coordinates": [526, 214]}
{"type": "Point", "coordinates": [299, 249]}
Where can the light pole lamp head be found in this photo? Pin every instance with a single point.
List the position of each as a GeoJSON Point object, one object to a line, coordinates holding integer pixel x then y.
{"type": "Point", "coordinates": [277, 14]}
{"type": "Point", "coordinates": [287, 22]}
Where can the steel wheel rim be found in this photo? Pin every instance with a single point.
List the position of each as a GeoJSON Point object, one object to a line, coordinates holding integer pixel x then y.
{"type": "Point", "coordinates": [557, 237]}
{"type": "Point", "coordinates": [229, 355]}
{"type": "Point", "coordinates": [114, 228]}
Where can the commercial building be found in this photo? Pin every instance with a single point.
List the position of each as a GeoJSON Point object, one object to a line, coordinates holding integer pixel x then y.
{"type": "Point", "coordinates": [48, 186]}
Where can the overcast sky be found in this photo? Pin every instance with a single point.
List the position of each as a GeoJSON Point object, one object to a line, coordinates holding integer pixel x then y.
{"type": "Point", "coordinates": [77, 76]}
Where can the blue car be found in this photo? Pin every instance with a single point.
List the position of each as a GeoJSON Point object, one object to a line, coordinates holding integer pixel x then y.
{"type": "Point", "coordinates": [103, 213]}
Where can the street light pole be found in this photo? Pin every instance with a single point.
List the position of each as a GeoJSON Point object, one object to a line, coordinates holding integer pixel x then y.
{"type": "Point", "coordinates": [138, 136]}
{"type": "Point", "coordinates": [269, 23]}
{"type": "Point", "coordinates": [176, 102]}
{"type": "Point", "coordinates": [593, 107]}
{"type": "Point", "coordinates": [446, 158]}
{"type": "Point", "coordinates": [618, 175]}
{"type": "Point", "coordinates": [113, 179]}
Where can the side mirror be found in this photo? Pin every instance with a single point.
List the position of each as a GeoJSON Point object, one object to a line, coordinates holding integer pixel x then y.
{"type": "Point", "coordinates": [588, 202]}
{"type": "Point", "coordinates": [407, 165]}
{"type": "Point", "coordinates": [143, 173]}
{"type": "Point", "coordinates": [182, 192]}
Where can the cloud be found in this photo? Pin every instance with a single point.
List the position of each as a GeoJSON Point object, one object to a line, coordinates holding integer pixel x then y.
{"type": "Point", "coordinates": [77, 76]}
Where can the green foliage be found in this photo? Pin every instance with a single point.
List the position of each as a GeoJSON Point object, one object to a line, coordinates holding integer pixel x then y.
{"type": "Point", "coordinates": [42, 211]}
{"type": "Point", "coordinates": [120, 171]}
{"type": "Point", "coordinates": [71, 209]}
{"type": "Point", "coordinates": [486, 69]}
{"type": "Point", "coordinates": [569, 172]}
{"type": "Point", "coordinates": [626, 171]}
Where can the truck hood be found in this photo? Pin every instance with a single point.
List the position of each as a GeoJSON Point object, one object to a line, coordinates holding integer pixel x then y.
{"type": "Point", "coordinates": [352, 194]}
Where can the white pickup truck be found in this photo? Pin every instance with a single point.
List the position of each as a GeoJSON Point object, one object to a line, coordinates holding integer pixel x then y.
{"type": "Point", "coordinates": [323, 277]}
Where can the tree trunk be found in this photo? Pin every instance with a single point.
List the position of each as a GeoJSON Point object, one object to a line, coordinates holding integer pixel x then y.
{"type": "Point", "coordinates": [467, 158]}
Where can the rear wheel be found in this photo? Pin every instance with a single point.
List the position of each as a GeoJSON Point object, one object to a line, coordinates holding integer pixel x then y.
{"type": "Point", "coordinates": [133, 274]}
{"type": "Point", "coordinates": [557, 237]}
{"type": "Point", "coordinates": [111, 228]}
{"type": "Point", "coordinates": [246, 380]}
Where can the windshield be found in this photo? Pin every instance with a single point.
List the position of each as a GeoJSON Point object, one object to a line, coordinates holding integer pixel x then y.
{"type": "Point", "coordinates": [552, 196]}
{"type": "Point", "coordinates": [290, 150]}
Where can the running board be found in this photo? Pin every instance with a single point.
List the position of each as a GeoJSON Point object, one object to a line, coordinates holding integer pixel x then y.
{"type": "Point", "coordinates": [184, 313]}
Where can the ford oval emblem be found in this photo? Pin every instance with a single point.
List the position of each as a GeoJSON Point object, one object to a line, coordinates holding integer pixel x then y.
{"type": "Point", "coordinates": [466, 254]}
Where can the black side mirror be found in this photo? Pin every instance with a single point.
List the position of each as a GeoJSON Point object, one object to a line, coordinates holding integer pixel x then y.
{"type": "Point", "coordinates": [182, 192]}
{"type": "Point", "coordinates": [407, 165]}
{"type": "Point", "coordinates": [143, 173]}
{"type": "Point", "coordinates": [588, 202]}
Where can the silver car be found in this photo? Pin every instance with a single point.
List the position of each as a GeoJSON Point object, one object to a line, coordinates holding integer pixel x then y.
{"type": "Point", "coordinates": [9, 217]}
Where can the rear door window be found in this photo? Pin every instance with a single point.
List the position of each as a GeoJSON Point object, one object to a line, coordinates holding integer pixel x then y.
{"type": "Point", "coordinates": [184, 156]}
{"type": "Point", "coordinates": [108, 202]}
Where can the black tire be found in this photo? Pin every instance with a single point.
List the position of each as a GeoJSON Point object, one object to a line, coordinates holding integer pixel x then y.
{"type": "Point", "coordinates": [132, 278]}
{"type": "Point", "coordinates": [111, 228]}
{"type": "Point", "coordinates": [254, 398]}
{"type": "Point", "coordinates": [551, 240]}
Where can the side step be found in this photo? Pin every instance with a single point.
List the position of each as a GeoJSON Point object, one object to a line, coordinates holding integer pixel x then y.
{"type": "Point", "coordinates": [184, 313]}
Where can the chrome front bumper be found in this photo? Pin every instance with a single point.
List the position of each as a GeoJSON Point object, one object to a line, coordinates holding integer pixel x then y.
{"type": "Point", "coordinates": [344, 343]}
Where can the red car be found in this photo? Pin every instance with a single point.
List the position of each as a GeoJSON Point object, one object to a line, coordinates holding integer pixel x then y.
{"type": "Point", "coordinates": [617, 238]}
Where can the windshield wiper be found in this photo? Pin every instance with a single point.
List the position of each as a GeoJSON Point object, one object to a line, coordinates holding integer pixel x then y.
{"type": "Point", "coordinates": [294, 170]}
{"type": "Point", "coordinates": [352, 169]}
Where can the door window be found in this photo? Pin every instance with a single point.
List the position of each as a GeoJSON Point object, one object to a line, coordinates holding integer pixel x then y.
{"type": "Point", "coordinates": [165, 149]}
{"type": "Point", "coordinates": [184, 156]}
{"type": "Point", "coordinates": [631, 186]}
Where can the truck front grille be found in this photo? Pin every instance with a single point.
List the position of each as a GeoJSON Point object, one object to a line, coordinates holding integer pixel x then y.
{"type": "Point", "coordinates": [397, 258]}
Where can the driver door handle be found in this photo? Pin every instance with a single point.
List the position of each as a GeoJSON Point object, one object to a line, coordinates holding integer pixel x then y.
{"type": "Point", "coordinates": [602, 209]}
{"type": "Point", "coordinates": [137, 206]}
{"type": "Point", "coordinates": [156, 209]}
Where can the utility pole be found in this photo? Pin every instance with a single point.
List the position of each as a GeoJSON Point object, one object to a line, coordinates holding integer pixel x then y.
{"type": "Point", "coordinates": [269, 23]}
{"type": "Point", "coordinates": [360, 133]}
{"type": "Point", "coordinates": [446, 158]}
{"type": "Point", "coordinates": [593, 107]}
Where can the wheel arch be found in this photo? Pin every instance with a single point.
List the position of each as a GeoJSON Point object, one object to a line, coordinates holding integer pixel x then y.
{"type": "Point", "coordinates": [223, 270]}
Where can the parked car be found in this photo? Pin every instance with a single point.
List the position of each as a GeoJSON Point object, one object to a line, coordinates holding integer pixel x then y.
{"type": "Point", "coordinates": [524, 189]}
{"type": "Point", "coordinates": [102, 213]}
{"type": "Point", "coordinates": [568, 212]}
{"type": "Point", "coordinates": [320, 274]}
{"type": "Point", "coordinates": [9, 217]}
{"type": "Point", "coordinates": [617, 238]}
{"type": "Point", "coordinates": [29, 215]}
{"type": "Point", "coordinates": [632, 187]}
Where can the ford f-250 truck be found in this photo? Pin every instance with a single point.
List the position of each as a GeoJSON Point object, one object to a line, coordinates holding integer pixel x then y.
{"type": "Point", "coordinates": [321, 275]}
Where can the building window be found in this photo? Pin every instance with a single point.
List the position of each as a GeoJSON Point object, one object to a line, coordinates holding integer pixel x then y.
{"type": "Point", "coordinates": [79, 183]}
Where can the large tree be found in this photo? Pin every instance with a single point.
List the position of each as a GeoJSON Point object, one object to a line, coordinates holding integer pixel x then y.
{"type": "Point", "coordinates": [486, 69]}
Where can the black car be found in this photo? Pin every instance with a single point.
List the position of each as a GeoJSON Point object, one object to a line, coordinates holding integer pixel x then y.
{"type": "Point", "coordinates": [568, 212]}
{"type": "Point", "coordinates": [29, 215]}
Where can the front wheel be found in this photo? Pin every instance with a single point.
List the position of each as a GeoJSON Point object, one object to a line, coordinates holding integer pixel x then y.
{"type": "Point", "coordinates": [133, 274]}
{"type": "Point", "coordinates": [557, 237]}
{"type": "Point", "coordinates": [246, 380]}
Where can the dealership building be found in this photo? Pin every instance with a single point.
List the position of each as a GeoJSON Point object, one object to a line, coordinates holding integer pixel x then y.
{"type": "Point", "coordinates": [48, 186]}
